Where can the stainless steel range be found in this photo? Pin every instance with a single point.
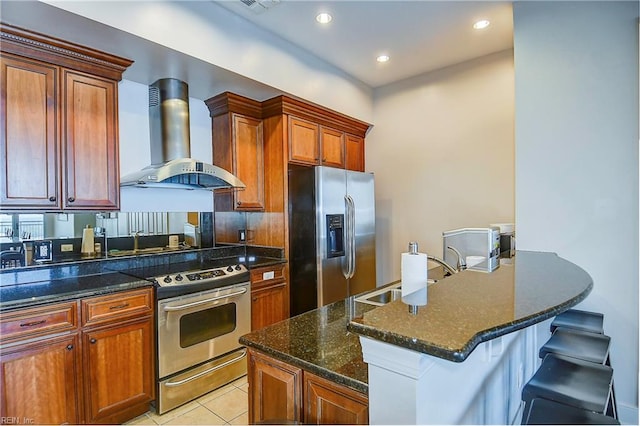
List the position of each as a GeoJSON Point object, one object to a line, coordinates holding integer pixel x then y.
{"type": "Point", "coordinates": [201, 314]}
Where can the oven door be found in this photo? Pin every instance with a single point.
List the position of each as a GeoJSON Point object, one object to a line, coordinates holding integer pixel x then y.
{"type": "Point", "coordinates": [197, 327]}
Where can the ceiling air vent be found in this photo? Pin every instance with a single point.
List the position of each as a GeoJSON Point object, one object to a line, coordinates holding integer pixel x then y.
{"type": "Point", "coordinates": [260, 6]}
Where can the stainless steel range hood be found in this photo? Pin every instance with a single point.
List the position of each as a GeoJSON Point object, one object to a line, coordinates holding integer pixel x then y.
{"type": "Point", "coordinates": [171, 162]}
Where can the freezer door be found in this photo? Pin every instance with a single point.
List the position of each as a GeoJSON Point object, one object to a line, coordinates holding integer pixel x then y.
{"type": "Point", "coordinates": [360, 187]}
{"type": "Point", "coordinates": [330, 201]}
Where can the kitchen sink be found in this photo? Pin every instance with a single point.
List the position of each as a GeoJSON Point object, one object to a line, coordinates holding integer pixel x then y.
{"type": "Point", "coordinates": [384, 295]}
{"type": "Point", "coordinates": [149, 250]}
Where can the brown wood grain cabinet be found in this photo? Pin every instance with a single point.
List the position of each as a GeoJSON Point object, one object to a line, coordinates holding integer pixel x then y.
{"type": "Point", "coordinates": [354, 146]}
{"type": "Point", "coordinates": [332, 147]}
{"type": "Point", "coordinates": [86, 361]}
{"type": "Point", "coordinates": [269, 296]}
{"type": "Point", "coordinates": [303, 142]}
{"type": "Point", "coordinates": [275, 390]}
{"type": "Point", "coordinates": [282, 393]}
{"type": "Point", "coordinates": [326, 402]}
{"type": "Point", "coordinates": [238, 146]}
{"type": "Point", "coordinates": [60, 124]}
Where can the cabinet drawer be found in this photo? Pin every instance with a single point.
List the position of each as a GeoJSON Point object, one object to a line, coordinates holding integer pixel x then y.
{"type": "Point", "coordinates": [263, 277]}
{"type": "Point", "coordinates": [122, 305]}
{"type": "Point", "coordinates": [34, 322]}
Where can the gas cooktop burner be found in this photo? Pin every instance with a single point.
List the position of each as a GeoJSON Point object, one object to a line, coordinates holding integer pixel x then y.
{"type": "Point", "coordinates": [200, 276]}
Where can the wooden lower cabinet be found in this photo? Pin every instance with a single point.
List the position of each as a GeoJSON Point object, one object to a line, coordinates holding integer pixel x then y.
{"type": "Point", "coordinates": [275, 390]}
{"type": "Point", "coordinates": [55, 369]}
{"type": "Point", "coordinates": [267, 306]}
{"type": "Point", "coordinates": [326, 402]}
{"type": "Point", "coordinates": [39, 381]}
{"type": "Point", "coordinates": [282, 393]}
{"type": "Point", "coordinates": [118, 375]}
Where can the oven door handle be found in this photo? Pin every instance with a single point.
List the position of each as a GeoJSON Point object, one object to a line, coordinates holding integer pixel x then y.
{"type": "Point", "coordinates": [203, 302]}
{"type": "Point", "coordinates": [207, 371]}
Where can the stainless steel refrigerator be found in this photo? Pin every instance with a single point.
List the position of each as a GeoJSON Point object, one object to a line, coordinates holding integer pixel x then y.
{"type": "Point", "coordinates": [331, 235]}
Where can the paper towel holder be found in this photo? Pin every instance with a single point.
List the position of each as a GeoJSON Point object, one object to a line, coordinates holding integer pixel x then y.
{"type": "Point", "coordinates": [413, 249]}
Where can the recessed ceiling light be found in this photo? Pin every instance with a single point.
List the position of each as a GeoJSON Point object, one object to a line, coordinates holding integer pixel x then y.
{"type": "Point", "coordinates": [324, 18]}
{"type": "Point", "coordinates": [479, 25]}
{"type": "Point", "coordinates": [383, 58]}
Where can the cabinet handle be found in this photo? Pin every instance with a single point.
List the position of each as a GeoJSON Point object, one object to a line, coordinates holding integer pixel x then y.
{"type": "Point", "coordinates": [238, 203]}
{"type": "Point", "coordinates": [124, 305]}
{"type": "Point", "coordinates": [69, 347]}
{"type": "Point", "coordinates": [255, 299]}
{"type": "Point", "coordinates": [92, 340]}
{"type": "Point", "coordinates": [71, 199]}
{"type": "Point", "coordinates": [31, 324]}
{"type": "Point", "coordinates": [52, 198]}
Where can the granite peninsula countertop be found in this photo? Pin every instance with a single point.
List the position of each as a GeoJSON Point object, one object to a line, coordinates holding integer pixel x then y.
{"type": "Point", "coordinates": [471, 307]}
{"type": "Point", "coordinates": [318, 341]}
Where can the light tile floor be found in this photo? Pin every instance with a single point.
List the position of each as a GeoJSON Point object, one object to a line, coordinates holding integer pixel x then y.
{"type": "Point", "coordinates": [227, 405]}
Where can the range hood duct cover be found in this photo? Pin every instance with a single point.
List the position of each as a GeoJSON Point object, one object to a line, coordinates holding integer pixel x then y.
{"type": "Point", "coordinates": [171, 162]}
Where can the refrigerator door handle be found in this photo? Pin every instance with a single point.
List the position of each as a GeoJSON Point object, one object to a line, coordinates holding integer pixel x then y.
{"type": "Point", "coordinates": [352, 236]}
{"type": "Point", "coordinates": [346, 263]}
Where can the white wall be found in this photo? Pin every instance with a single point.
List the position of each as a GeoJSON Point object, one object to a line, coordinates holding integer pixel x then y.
{"type": "Point", "coordinates": [135, 154]}
{"type": "Point", "coordinates": [219, 37]}
{"type": "Point", "coordinates": [443, 154]}
{"type": "Point", "coordinates": [576, 68]}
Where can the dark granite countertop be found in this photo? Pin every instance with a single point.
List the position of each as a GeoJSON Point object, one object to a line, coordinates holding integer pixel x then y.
{"type": "Point", "coordinates": [35, 286]}
{"type": "Point", "coordinates": [318, 342]}
{"type": "Point", "coordinates": [471, 307]}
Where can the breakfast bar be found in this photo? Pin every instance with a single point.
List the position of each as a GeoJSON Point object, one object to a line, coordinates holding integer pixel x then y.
{"type": "Point", "coordinates": [463, 358]}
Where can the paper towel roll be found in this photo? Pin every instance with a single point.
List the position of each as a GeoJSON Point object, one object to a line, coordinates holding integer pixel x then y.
{"type": "Point", "coordinates": [414, 275]}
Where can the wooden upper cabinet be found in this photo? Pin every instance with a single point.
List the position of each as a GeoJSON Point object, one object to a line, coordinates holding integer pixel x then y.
{"type": "Point", "coordinates": [30, 123]}
{"type": "Point", "coordinates": [332, 145]}
{"type": "Point", "coordinates": [60, 111]}
{"type": "Point", "coordinates": [355, 153]}
{"type": "Point", "coordinates": [303, 142]}
{"type": "Point", "coordinates": [90, 143]}
{"type": "Point", "coordinates": [238, 147]}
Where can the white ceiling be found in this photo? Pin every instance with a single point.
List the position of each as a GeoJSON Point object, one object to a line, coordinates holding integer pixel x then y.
{"type": "Point", "coordinates": [419, 36]}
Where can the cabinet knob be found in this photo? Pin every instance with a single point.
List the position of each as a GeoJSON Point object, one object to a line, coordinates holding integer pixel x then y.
{"type": "Point", "coordinates": [69, 347]}
{"type": "Point", "coordinates": [71, 199]}
{"type": "Point", "coordinates": [238, 203]}
{"type": "Point", "coordinates": [92, 340]}
{"type": "Point", "coordinates": [52, 198]}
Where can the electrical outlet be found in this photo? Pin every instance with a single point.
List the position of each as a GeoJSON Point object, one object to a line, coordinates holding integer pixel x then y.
{"type": "Point", "coordinates": [66, 247]}
{"type": "Point", "coordinates": [242, 235]}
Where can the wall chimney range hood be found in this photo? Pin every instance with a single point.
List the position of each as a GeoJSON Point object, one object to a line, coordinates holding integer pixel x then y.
{"type": "Point", "coordinates": [171, 162]}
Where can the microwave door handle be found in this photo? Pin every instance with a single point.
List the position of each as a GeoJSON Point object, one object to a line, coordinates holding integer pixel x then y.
{"type": "Point", "coordinates": [203, 302]}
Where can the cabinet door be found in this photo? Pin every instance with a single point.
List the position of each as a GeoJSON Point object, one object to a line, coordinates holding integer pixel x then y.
{"type": "Point", "coordinates": [29, 137]}
{"type": "Point", "coordinates": [90, 148]}
{"type": "Point", "coordinates": [248, 162]}
{"type": "Point", "coordinates": [303, 142]}
{"type": "Point", "coordinates": [118, 364]}
{"type": "Point", "coordinates": [329, 403]}
{"type": "Point", "coordinates": [332, 142]}
{"type": "Point", "coordinates": [275, 391]}
{"type": "Point", "coordinates": [269, 305]}
{"type": "Point", "coordinates": [39, 382]}
{"type": "Point", "coordinates": [355, 153]}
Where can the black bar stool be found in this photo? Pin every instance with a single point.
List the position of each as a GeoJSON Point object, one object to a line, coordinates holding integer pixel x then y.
{"type": "Point", "coordinates": [571, 381]}
{"type": "Point", "coordinates": [573, 343]}
{"type": "Point", "coordinates": [579, 320]}
{"type": "Point", "coordinates": [582, 345]}
{"type": "Point", "coordinates": [545, 412]}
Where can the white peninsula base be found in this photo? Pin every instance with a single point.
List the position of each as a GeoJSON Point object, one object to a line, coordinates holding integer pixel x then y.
{"type": "Point", "coordinates": [409, 387]}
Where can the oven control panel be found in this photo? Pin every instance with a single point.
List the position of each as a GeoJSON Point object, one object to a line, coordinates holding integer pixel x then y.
{"type": "Point", "coordinates": [200, 276]}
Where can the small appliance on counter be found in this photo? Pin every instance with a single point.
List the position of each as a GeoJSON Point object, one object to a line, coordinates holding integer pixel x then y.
{"type": "Point", "coordinates": [192, 235]}
{"type": "Point", "coordinates": [507, 238]}
{"type": "Point", "coordinates": [480, 246]}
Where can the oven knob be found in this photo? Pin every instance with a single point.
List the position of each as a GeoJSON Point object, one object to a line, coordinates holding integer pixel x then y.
{"type": "Point", "coordinates": [179, 277]}
{"type": "Point", "coordinates": [238, 268]}
{"type": "Point", "coordinates": [230, 269]}
{"type": "Point", "coordinates": [167, 279]}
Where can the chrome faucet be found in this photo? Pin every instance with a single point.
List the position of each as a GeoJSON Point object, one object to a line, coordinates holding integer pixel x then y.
{"type": "Point", "coordinates": [461, 265]}
{"type": "Point", "coordinates": [136, 236]}
{"type": "Point", "coordinates": [444, 264]}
